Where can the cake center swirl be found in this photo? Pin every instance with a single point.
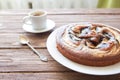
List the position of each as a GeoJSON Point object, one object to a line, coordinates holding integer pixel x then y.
{"type": "Point", "coordinates": [92, 36]}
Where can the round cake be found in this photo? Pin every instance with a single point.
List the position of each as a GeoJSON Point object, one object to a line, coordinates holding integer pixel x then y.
{"type": "Point", "coordinates": [92, 44]}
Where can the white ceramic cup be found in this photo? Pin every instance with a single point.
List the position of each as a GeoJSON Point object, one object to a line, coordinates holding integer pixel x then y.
{"type": "Point", "coordinates": [37, 19]}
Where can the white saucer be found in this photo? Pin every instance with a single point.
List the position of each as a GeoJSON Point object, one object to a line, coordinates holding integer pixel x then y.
{"type": "Point", "coordinates": [50, 25]}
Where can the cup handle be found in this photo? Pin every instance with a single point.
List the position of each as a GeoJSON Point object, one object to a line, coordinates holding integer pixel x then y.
{"type": "Point", "coordinates": [26, 19]}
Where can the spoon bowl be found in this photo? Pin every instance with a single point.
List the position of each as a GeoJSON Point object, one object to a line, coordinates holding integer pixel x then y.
{"type": "Point", "coordinates": [23, 39]}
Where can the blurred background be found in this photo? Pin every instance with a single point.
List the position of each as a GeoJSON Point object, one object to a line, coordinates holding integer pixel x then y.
{"type": "Point", "coordinates": [53, 4]}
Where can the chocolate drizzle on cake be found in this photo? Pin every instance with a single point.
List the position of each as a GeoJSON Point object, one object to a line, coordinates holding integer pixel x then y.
{"type": "Point", "coordinates": [95, 36]}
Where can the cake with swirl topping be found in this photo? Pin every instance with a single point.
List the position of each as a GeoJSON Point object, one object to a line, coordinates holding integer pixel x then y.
{"type": "Point", "coordinates": [92, 44]}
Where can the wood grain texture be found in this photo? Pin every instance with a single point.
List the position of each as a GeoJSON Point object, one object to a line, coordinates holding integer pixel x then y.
{"type": "Point", "coordinates": [66, 11]}
{"type": "Point", "coordinates": [54, 76]}
{"type": "Point", "coordinates": [18, 62]}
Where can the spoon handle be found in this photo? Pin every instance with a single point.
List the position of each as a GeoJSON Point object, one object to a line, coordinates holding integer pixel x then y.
{"type": "Point", "coordinates": [42, 57]}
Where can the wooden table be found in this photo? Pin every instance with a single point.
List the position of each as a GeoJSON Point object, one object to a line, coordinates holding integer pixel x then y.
{"type": "Point", "coordinates": [18, 62]}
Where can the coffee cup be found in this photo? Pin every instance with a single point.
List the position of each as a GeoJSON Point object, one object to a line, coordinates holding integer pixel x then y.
{"type": "Point", "coordinates": [37, 19]}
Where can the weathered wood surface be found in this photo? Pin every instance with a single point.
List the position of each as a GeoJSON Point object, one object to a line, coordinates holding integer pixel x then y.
{"type": "Point", "coordinates": [18, 62]}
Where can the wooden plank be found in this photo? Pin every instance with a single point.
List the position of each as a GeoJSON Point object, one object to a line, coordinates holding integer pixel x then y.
{"type": "Point", "coordinates": [15, 23]}
{"type": "Point", "coordinates": [66, 11]}
{"type": "Point", "coordinates": [65, 18]}
{"type": "Point", "coordinates": [55, 76]}
{"type": "Point", "coordinates": [13, 29]}
{"type": "Point", "coordinates": [12, 40]}
{"type": "Point", "coordinates": [24, 60]}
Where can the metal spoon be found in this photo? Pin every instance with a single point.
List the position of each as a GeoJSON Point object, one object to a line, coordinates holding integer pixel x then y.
{"type": "Point", "coordinates": [24, 40]}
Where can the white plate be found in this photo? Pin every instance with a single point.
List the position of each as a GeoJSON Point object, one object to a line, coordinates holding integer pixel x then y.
{"type": "Point", "coordinates": [51, 46]}
{"type": "Point", "coordinates": [50, 25]}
